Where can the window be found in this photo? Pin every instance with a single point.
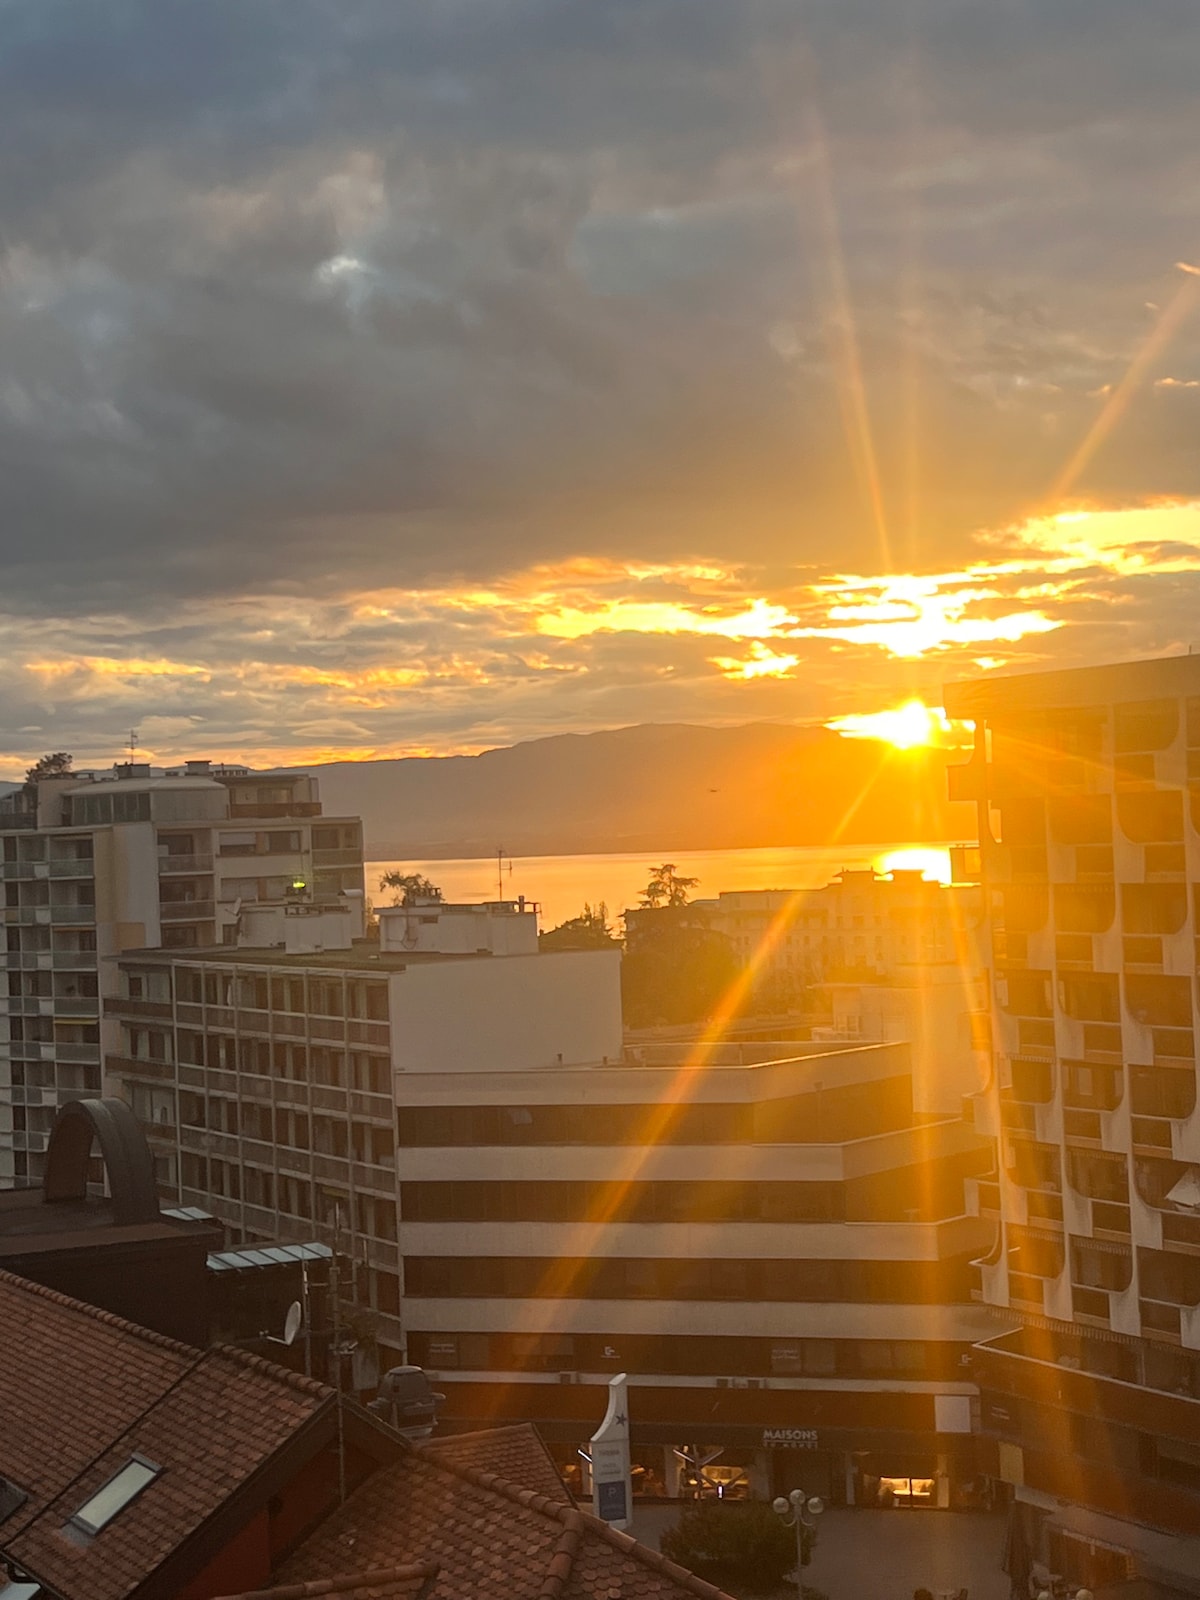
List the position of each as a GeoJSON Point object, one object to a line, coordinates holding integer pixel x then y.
{"type": "Point", "coordinates": [96, 1513]}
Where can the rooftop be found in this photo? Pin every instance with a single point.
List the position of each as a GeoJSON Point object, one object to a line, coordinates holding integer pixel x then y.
{"type": "Point", "coordinates": [84, 1394]}
{"type": "Point", "coordinates": [1074, 687]}
{"type": "Point", "coordinates": [364, 956]}
{"type": "Point", "coordinates": [507, 1534]}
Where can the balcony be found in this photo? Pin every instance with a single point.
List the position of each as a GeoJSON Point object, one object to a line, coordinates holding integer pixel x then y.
{"type": "Point", "coordinates": [1032, 1080]}
{"type": "Point", "coordinates": [1082, 1127]}
{"type": "Point", "coordinates": [1074, 951]}
{"type": "Point", "coordinates": [187, 911]}
{"type": "Point", "coordinates": [1181, 1232]}
{"type": "Point", "coordinates": [1090, 1306]}
{"type": "Point", "coordinates": [1110, 1218]}
{"type": "Point", "coordinates": [123, 1006]}
{"type": "Point", "coordinates": [72, 867]}
{"type": "Point", "coordinates": [1142, 953]}
{"type": "Point", "coordinates": [336, 858]}
{"type": "Point", "coordinates": [82, 1005]}
{"type": "Point", "coordinates": [1161, 1321]}
{"type": "Point", "coordinates": [169, 865]}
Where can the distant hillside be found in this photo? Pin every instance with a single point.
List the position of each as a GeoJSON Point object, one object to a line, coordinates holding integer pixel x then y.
{"type": "Point", "coordinates": [655, 787]}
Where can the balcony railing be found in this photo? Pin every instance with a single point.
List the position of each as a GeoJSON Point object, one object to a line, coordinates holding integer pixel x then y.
{"type": "Point", "coordinates": [187, 910]}
{"type": "Point", "coordinates": [184, 864]}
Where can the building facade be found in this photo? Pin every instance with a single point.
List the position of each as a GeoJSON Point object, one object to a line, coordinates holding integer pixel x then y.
{"type": "Point", "coordinates": [862, 927]}
{"type": "Point", "coordinates": [1088, 792]}
{"type": "Point", "coordinates": [93, 866]}
{"type": "Point", "coordinates": [764, 1236]}
{"type": "Point", "coordinates": [268, 1078]}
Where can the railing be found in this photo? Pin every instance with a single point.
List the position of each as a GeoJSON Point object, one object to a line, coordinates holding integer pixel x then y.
{"type": "Point", "coordinates": [76, 1005]}
{"type": "Point", "coordinates": [186, 864]}
{"type": "Point", "coordinates": [186, 910]}
{"type": "Point", "coordinates": [85, 1055]}
{"type": "Point", "coordinates": [336, 858]}
{"type": "Point", "coordinates": [72, 867]}
{"type": "Point", "coordinates": [121, 1005]}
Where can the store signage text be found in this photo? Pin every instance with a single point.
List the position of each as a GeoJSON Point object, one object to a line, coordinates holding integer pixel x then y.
{"type": "Point", "coordinates": [790, 1438]}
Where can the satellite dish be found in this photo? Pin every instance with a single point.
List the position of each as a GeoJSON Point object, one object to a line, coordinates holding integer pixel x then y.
{"type": "Point", "coordinates": [291, 1326]}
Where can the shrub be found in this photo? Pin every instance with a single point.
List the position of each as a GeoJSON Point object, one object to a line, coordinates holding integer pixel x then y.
{"type": "Point", "coordinates": [733, 1542]}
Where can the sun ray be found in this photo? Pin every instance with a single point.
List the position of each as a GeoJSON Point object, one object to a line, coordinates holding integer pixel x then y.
{"type": "Point", "coordinates": [1174, 315]}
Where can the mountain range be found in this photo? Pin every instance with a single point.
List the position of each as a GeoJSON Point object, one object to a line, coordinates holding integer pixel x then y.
{"type": "Point", "coordinates": [655, 787]}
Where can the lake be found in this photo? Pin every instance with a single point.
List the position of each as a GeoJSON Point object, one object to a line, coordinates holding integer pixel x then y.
{"type": "Point", "coordinates": [561, 884]}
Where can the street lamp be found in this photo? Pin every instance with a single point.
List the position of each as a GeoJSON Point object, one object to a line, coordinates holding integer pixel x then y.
{"type": "Point", "coordinates": [793, 1512]}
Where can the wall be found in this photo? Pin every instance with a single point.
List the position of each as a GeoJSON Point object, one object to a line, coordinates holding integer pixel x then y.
{"type": "Point", "coordinates": [500, 1014]}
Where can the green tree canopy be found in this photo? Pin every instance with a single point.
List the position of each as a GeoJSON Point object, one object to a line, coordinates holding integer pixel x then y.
{"type": "Point", "coordinates": [58, 764]}
{"type": "Point", "coordinates": [590, 930]}
{"type": "Point", "coordinates": [667, 887]}
{"type": "Point", "coordinates": [411, 887]}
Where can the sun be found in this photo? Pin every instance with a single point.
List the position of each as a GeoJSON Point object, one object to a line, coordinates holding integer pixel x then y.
{"type": "Point", "coordinates": [908, 726]}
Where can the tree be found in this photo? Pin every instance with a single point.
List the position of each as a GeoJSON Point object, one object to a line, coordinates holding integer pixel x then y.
{"type": "Point", "coordinates": [412, 886]}
{"type": "Point", "coordinates": [667, 887]}
{"type": "Point", "coordinates": [729, 1542]}
{"type": "Point", "coordinates": [59, 764]}
{"type": "Point", "coordinates": [588, 931]}
{"type": "Point", "coordinates": [676, 968]}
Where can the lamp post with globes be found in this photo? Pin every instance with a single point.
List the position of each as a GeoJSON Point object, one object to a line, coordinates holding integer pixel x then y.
{"type": "Point", "coordinates": [799, 1511]}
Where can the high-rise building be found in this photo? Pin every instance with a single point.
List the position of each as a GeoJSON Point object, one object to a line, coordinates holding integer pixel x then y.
{"type": "Point", "coordinates": [1088, 791]}
{"type": "Point", "coordinates": [92, 866]}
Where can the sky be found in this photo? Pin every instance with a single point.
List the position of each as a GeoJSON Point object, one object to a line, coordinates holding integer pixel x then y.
{"type": "Point", "coordinates": [385, 379]}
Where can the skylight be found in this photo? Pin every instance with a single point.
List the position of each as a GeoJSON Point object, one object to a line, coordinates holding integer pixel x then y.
{"type": "Point", "coordinates": [115, 1495]}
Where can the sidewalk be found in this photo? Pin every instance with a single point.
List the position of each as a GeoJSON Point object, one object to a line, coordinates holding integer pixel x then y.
{"type": "Point", "coordinates": [885, 1555]}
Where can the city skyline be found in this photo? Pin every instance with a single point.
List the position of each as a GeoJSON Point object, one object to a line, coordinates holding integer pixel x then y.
{"type": "Point", "coordinates": [395, 382]}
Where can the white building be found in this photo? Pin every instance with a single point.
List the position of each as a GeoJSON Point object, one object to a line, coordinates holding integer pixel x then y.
{"type": "Point", "coordinates": [93, 866]}
{"type": "Point", "coordinates": [861, 927]}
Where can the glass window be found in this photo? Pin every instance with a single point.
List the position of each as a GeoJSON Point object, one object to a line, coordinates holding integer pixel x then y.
{"type": "Point", "coordinates": [98, 1512]}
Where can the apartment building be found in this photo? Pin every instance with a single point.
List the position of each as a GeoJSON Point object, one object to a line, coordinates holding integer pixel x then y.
{"type": "Point", "coordinates": [268, 1073]}
{"type": "Point", "coordinates": [864, 926]}
{"type": "Point", "coordinates": [93, 865]}
{"type": "Point", "coordinates": [763, 1235]}
{"type": "Point", "coordinates": [1088, 791]}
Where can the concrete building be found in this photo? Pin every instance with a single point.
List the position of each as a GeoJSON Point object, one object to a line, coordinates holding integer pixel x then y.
{"type": "Point", "coordinates": [942, 1011]}
{"type": "Point", "coordinates": [94, 865]}
{"type": "Point", "coordinates": [268, 1076]}
{"type": "Point", "coordinates": [1088, 791]}
{"type": "Point", "coordinates": [763, 1235]}
{"type": "Point", "coordinates": [862, 927]}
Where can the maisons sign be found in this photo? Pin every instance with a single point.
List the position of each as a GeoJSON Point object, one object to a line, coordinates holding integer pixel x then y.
{"type": "Point", "coordinates": [790, 1438]}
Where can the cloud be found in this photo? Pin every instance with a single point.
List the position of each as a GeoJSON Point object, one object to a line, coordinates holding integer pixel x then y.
{"type": "Point", "coordinates": [307, 304]}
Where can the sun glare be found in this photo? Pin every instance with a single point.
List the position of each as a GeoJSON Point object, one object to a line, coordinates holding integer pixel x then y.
{"type": "Point", "coordinates": [907, 726]}
{"type": "Point", "coordinates": [930, 861]}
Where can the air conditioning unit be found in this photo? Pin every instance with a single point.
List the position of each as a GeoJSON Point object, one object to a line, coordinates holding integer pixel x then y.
{"type": "Point", "coordinates": [568, 1377]}
{"type": "Point", "coordinates": [724, 1383]}
{"type": "Point", "coordinates": [756, 1383]}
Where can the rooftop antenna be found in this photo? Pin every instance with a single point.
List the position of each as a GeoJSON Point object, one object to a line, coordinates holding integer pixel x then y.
{"type": "Point", "coordinates": [501, 857]}
{"type": "Point", "coordinates": [133, 744]}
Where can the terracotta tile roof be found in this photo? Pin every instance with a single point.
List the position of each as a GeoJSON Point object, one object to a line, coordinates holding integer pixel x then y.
{"type": "Point", "coordinates": [491, 1539]}
{"type": "Point", "coordinates": [394, 1583]}
{"type": "Point", "coordinates": [515, 1453]}
{"type": "Point", "coordinates": [81, 1391]}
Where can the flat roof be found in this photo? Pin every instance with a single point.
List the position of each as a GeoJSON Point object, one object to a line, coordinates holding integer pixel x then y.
{"type": "Point", "coordinates": [1072, 687]}
{"type": "Point", "coordinates": [364, 956]}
